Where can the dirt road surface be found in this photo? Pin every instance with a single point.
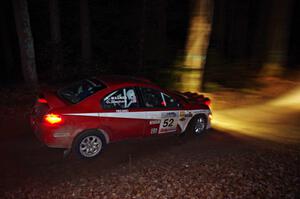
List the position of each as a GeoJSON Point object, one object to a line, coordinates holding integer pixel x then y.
{"type": "Point", "coordinates": [215, 165]}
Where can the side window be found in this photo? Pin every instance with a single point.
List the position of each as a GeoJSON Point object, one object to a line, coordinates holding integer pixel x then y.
{"type": "Point", "coordinates": [121, 99]}
{"type": "Point", "coordinates": [156, 99]}
{"type": "Point", "coordinates": [152, 98]}
{"type": "Point", "coordinates": [170, 102]}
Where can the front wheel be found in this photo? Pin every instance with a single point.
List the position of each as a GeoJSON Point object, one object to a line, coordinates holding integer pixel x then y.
{"type": "Point", "coordinates": [198, 125]}
{"type": "Point", "coordinates": [89, 145]}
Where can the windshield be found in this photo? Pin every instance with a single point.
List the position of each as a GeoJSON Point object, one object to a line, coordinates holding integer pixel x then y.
{"type": "Point", "coordinates": [80, 90]}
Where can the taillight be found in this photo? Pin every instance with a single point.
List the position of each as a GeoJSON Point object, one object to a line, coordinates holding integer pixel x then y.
{"type": "Point", "coordinates": [53, 118]}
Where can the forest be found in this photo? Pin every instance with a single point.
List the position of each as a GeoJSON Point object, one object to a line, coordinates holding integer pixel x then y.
{"type": "Point", "coordinates": [57, 41]}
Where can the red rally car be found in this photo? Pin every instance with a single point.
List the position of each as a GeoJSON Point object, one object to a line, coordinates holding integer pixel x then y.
{"type": "Point", "coordinates": [88, 114]}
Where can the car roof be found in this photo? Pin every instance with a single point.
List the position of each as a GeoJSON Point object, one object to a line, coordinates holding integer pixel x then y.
{"type": "Point", "coordinates": [115, 80]}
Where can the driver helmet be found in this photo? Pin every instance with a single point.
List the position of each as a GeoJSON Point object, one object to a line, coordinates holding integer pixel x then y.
{"type": "Point", "coordinates": [131, 95]}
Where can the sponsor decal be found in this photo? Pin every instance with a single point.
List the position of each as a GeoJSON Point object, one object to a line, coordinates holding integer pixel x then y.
{"type": "Point", "coordinates": [189, 114]}
{"type": "Point", "coordinates": [154, 131]}
{"type": "Point", "coordinates": [120, 111]}
{"type": "Point", "coordinates": [116, 100]}
{"type": "Point", "coordinates": [168, 114]}
{"type": "Point", "coordinates": [166, 130]}
{"type": "Point", "coordinates": [154, 122]}
{"type": "Point", "coordinates": [185, 114]}
{"type": "Point", "coordinates": [181, 114]}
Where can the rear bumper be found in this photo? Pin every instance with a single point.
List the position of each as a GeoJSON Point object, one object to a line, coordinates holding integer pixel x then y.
{"type": "Point", "coordinates": [51, 136]}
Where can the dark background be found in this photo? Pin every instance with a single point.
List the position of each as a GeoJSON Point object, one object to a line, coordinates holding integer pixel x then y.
{"type": "Point", "coordinates": [237, 50]}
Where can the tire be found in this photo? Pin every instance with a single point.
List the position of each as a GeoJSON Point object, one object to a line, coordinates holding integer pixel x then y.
{"type": "Point", "coordinates": [198, 125]}
{"type": "Point", "coordinates": [89, 145]}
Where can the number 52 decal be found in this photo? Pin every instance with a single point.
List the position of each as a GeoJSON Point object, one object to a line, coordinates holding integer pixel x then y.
{"type": "Point", "coordinates": [168, 125]}
{"type": "Point", "coordinates": [168, 122]}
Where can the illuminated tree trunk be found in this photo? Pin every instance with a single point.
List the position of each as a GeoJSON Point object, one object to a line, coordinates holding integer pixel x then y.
{"type": "Point", "coordinates": [26, 43]}
{"type": "Point", "coordinates": [197, 44]}
{"type": "Point", "coordinates": [199, 34]}
{"type": "Point", "coordinates": [57, 58]}
{"type": "Point", "coordinates": [278, 34]}
{"type": "Point", "coordinates": [86, 48]}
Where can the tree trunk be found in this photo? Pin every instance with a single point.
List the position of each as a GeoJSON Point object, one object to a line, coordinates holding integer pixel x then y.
{"type": "Point", "coordinates": [86, 50]}
{"type": "Point", "coordinates": [197, 44]}
{"type": "Point", "coordinates": [56, 47]}
{"type": "Point", "coordinates": [162, 30]}
{"type": "Point", "coordinates": [199, 34]}
{"type": "Point", "coordinates": [142, 35]}
{"type": "Point", "coordinates": [278, 34]}
{"type": "Point", "coordinates": [153, 31]}
{"type": "Point", "coordinates": [26, 43]}
{"type": "Point", "coordinates": [6, 43]}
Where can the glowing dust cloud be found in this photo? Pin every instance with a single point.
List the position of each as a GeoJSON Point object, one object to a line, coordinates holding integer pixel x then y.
{"type": "Point", "coordinates": [277, 120]}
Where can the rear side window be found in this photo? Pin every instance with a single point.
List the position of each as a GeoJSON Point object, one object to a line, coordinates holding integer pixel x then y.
{"type": "Point", "coordinates": [80, 90]}
{"type": "Point", "coordinates": [121, 99]}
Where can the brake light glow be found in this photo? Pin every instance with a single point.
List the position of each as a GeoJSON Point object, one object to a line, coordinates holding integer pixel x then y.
{"type": "Point", "coordinates": [53, 118]}
{"type": "Point", "coordinates": [42, 101]}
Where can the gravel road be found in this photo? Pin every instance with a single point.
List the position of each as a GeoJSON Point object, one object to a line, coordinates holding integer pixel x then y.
{"type": "Point", "coordinates": [215, 165]}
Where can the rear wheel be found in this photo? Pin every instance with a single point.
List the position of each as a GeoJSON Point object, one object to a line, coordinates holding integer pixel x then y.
{"type": "Point", "coordinates": [89, 144]}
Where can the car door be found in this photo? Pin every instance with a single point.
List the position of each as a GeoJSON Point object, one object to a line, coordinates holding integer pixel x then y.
{"type": "Point", "coordinates": [122, 116]}
{"type": "Point", "coordinates": [161, 110]}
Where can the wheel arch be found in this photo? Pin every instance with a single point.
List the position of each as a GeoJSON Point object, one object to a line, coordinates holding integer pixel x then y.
{"type": "Point", "coordinates": [101, 132]}
{"type": "Point", "coordinates": [198, 115]}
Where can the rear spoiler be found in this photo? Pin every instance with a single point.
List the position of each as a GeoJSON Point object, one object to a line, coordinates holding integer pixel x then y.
{"type": "Point", "coordinates": [51, 98]}
{"type": "Point", "coordinates": [197, 98]}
